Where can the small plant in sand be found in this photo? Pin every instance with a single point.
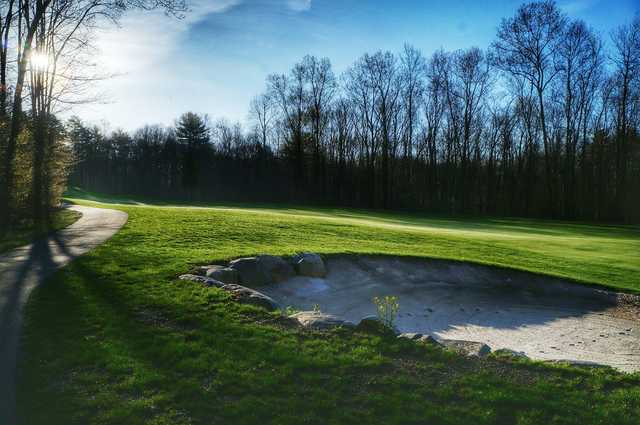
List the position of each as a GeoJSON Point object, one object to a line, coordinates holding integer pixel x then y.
{"type": "Point", "coordinates": [288, 311]}
{"type": "Point", "coordinates": [316, 308]}
{"type": "Point", "coordinates": [387, 307]}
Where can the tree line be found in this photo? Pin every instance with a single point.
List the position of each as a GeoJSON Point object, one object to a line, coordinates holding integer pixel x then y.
{"type": "Point", "coordinates": [543, 123]}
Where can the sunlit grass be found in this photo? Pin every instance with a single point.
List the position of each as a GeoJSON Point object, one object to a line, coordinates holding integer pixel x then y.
{"type": "Point", "coordinates": [114, 338]}
{"type": "Point", "coordinates": [607, 255]}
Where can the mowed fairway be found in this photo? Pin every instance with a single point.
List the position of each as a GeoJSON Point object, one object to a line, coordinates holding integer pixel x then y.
{"type": "Point", "coordinates": [115, 338]}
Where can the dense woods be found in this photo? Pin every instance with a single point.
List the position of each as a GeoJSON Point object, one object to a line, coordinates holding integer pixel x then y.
{"type": "Point", "coordinates": [543, 123]}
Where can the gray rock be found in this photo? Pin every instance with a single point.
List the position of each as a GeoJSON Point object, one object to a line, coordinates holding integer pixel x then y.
{"type": "Point", "coordinates": [310, 264]}
{"type": "Point", "coordinates": [468, 348]}
{"type": "Point", "coordinates": [373, 324]}
{"type": "Point", "coordinates": [246, 295]}
{"type": "Point", "coordinates": [410, 336]}
{"type": "Point", "coordinates": [241, 293]}
{"type": "Point", "coordinates": [275, 268]}
{"type": "Point", "coordinates": [223, 274]}
{"type": "Point", "coordinates": [250, 272]}
{"type": "Point", "coordinates": [510, 353]}
{"type": "Point", "coordinates": [320, 321]}
{"type": "Point", "coordinates": [207, 281]}
{"type": "Point", "coordinates": [428, 339]}
{"type": "Point", "coordinates": [202, 270]}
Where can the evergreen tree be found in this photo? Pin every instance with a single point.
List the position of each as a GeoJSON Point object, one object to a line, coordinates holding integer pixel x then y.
{"type": "Point", "coordinates": [192, 132]}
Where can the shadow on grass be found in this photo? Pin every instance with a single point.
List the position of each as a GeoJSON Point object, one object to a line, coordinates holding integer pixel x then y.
{"type": "Point", "coordinates": [154, 346]}
{"type": "Point", "coordinates": [204, 359]}
{"type": "Point", "coordinates": [17, 284]}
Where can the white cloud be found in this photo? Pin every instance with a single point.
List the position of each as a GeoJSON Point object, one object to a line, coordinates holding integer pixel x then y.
{"type": "Point", "coordinates": [142, 54]}
{"type": "Point", "coordinates": [152, 77]}
{"type": "Point", "coordinates": [144, 38]}
{"type": "Point", "coordinates": [299, 5]}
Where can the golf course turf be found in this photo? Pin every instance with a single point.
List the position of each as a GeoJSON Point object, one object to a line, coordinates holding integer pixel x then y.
{"type": "Point", "coordinates": [115, 338]}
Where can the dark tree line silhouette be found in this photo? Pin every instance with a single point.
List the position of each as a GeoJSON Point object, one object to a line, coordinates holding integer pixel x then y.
{"type": "Point", "coordinates": [544, 123]}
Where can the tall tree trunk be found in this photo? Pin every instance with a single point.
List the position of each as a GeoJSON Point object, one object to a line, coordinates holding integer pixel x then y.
{"type": "Point", "coordinates": [551, 199]}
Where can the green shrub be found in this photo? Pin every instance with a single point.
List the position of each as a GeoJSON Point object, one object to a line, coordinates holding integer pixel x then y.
{"type": "Point", "coordinates": [387, 308]}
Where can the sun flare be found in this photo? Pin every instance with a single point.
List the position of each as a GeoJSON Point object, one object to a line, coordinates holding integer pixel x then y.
{"type": "Point", "coordinates": [39, 61]}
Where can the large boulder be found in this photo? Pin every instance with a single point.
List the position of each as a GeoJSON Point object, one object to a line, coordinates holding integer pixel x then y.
{"type": "Point", "coordinates": [467, 348]}
{"type": "Point", "coordinates": [206, 281]}
{"type": "Point", "coordinates": [250, 271]}
{"type": "Point", "coordinates": [261, 270]}
{"type": "Point", "coordinates": [246, 295]}
{"type": "Point", "coordinates": [320, 321]}
{"type": "Point", "coordinates": [310, 264]}
{"type": "Point", "coordinates": [275, 268]}
{"type": "Point", "coordinates": [223, 274]}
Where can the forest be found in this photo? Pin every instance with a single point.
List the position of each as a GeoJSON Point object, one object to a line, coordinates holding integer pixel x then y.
{"type": "Point", "coordinates": [542, 123]}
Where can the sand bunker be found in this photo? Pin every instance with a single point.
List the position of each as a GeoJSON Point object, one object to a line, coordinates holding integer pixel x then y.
{"type": "Point", "coordinates": [544, 318]}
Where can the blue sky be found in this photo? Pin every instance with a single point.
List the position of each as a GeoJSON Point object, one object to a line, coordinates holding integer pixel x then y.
{"type": "Point", "coordinates": [216, 58]}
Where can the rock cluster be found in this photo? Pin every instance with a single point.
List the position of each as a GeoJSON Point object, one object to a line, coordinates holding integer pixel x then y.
{"type": "Point", "coordinates": [467, 348]}
{"type": "Point", "coordinates": [265, 269]}
{"type": "Point", "coordinates": [373, 325]}
{"type": "Point", "coordinates": [223, 274]}
{"type": "Point", "coordinates": [240, 293]}
{"type": "Point", "coordinates": [261, 270]}
{"type": "Point", "coordinates": [257, 271]}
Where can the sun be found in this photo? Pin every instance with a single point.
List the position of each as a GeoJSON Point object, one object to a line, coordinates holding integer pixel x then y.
{"type": "Point", "coordinates": [39, 61]}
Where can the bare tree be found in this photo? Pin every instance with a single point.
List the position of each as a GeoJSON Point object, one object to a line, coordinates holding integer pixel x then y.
{"type": "Point", "coordinates": [290, 95]}
{"type": "Point", "coordinates": [580, 62]}
{"type": "Point", "coordinates": [41, 34]}
{"type": "Point", "coordinates": [359, 87]}
{"type": "Point", "coordinates": [626, 59]}
{"type": "Point", "coordinates": [526, 48]}
{"type": "Point", "coordinates": [472, 84]}
{"type": "Point", "coordinates": [412, 75]}
{"type": "Point", "coordinates": [261, 112]}
{"type": "Point", "coordinates": [322, 87]}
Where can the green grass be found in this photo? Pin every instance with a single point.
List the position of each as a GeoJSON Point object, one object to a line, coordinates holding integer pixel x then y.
{"type": "Point", "coordinates": [114, 338]}
{"type": "Point", "coordinates": [25, 231]}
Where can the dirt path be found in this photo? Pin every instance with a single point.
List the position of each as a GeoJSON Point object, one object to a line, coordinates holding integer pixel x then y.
{"type": "Point", "coordinates": [22, 269]}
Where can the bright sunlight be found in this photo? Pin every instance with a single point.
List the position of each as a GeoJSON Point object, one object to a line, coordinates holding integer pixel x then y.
{"type": "Point", "coordinates": [39, 61]}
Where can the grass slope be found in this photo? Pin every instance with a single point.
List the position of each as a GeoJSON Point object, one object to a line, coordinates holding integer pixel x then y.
{"type": "Point", "coordinates": [114, 338]}
{"type": "Point", "coordinates": [25, 231]}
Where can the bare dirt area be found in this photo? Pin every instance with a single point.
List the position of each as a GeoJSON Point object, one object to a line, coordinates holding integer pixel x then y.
{"type": "Point", "coordinates": [542, 317]}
